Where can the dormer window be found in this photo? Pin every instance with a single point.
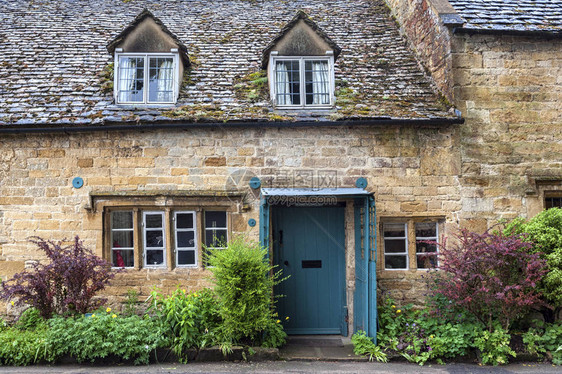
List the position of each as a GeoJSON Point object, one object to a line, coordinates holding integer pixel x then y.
{"type": "Point", "coordinates": [146, 78]}
{"type": "Point", "coordinates": [300, 63]}
{"type": "Point", "coordinates": [149, 63]}
{"type": "Point", "coordinates": [304, 81]}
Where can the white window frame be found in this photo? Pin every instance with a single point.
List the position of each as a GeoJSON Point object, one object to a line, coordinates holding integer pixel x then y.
{"type": "Point", "coordinates": [274, 58]}
{"type": "Point", "coordinates": [144, 232]}
{"type": "Point", "coordinates": [177, 248]}
{"type": "Point", "coordinates": [146, 57]}
{"type": "Point", "coordinates": [406, 252]}
{"type": "Point", "coordinates": [433, 238]}
{"type": "Point", "coordinates": [132, 229]}
{"type": "Point", "coordinates": [205, 229]}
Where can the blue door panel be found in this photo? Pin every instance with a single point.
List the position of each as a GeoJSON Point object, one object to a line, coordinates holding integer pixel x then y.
{"type": "Point", "coordinates": [309, 245]}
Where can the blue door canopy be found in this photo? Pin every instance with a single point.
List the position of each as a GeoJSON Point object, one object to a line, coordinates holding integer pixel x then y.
{"type": "Point", "coordinates": [340, 192]}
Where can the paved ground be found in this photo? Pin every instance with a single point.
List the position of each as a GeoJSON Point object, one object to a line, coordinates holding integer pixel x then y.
{"type": "Point", "coordinates": [292, 367]}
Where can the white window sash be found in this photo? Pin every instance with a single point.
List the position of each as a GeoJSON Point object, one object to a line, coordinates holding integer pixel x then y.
{"type": "Point", "coordinates": [145, 231]}
{"type": "Point", "coordinates": [302, 61]}
{"type": "Point", "coordinates": [113, 248]}
{"type": "Point", "coordinates": [178, 230]}
{"type": "Point", "coordinates": [429, 254]}
{"type": "Point", "coordinates": [146, 77]}
{"type": "Point", "coordinates": [403, 254]}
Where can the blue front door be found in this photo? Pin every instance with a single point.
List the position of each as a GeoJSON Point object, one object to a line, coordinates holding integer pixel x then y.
{"type": "Point", "coordinates": [309, 246]}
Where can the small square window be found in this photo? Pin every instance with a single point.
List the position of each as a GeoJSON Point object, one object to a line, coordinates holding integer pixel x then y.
{"type": "Point", "coordinates": [553, 202]}
{"type": "Point", "coordinates": [303, 82]}
{"type": "Point", "coordinates": [146, 79]}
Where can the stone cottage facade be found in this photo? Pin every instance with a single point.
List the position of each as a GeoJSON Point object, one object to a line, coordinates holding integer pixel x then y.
{"type": "Point", "coordinates": [153, 129]}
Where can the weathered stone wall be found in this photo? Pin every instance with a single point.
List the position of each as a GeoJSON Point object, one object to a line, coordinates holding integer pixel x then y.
{"type": "Point", "coordinates": [509, 90]}
{"type": "Point", "coordinates": [429, 39]}
{"type": "Point", "coordinates": [412, 171]}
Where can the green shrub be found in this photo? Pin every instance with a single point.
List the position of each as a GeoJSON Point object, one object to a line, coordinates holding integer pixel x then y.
{"type": "Point", "coordinates": [363, 345]}
{"type": "Point", "coordinates": [186, 320]}
{"type": "Point", "coordinates": [545, 231]}
{"type": "Point", "coordinates": [30, 319]}
{"type": "Point", "coordinates": [547, 338]}
{"type": "Point", "coordinates": [244, 282]}
{"type": "Point", "coordinates": [494, 346]}
{"type": "Point", "coordinates": [103, 334]}
{"type": "Point", "coordinates": [23, 347]}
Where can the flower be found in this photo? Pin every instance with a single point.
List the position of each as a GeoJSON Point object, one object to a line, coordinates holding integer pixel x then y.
{"type": "Point", "coordinates": [431, 336]}
{"type": "Point", "coordinates": [278, 321]}
{"type": "Point", "coordinates": [108, 310]}
{"type": "Point", "coordinates": [394, 306]}
{"type": "Point", "coordinates": [398, 311]}
{"type": "Point", "coordinates": [114, 316]}
{"type": "Point", "coordinates": [93, 315]}
{"type": "Point", "coordinates": [195, 294]}
{"type": "Point", "coordinates": [12, 303]}
{"type": "Point", "coordinates": [287, 318]}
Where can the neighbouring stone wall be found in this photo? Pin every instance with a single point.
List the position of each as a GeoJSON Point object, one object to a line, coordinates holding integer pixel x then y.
{"type": "Point", "coordinates": [509, 89]}
{"type": "Point", "coordinates": [412, 172]}
{"type": "Point", "coordinates": [429, 39]}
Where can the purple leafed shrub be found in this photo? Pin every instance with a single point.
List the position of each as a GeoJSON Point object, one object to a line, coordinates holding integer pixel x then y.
{"type": "Point", "coordinates": [492, 276]}
{"type": "Point", "coordinates": [66, 284]}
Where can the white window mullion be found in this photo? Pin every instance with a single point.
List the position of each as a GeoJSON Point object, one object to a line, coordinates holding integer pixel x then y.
{"type": "Point", "coordinates": [302, 75]}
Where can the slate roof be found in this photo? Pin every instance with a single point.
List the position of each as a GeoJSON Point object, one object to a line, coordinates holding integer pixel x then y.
{"type": "Point", "coordinates": [511, 15]}
{"type": "Point", "coordinates": [53, 55]}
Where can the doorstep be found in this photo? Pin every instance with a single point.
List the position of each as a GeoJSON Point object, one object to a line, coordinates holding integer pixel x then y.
{"type": "Point", "coordinates": [319, 348]}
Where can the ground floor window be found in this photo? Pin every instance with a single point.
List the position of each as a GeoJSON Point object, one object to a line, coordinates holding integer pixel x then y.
{"type": "Point", "coordinates": [163, 238]}
{"type": "Point", "coordinates": [553, 202]}
{"type": "Point", "coordinates": [407, 244]}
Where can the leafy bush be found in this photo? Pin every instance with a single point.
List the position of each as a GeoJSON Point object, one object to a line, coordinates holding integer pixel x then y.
{"type": "Point", "coordinates": [23, 348]}
{"type": "Point", "coordinates": [104, 334]}
{"type": "Point", "coordinates": [545, 231]}
{"type": "Point", "coordinates": [30, 319]}
{"type": "Point", "coordinates": [67, 284]}
{"type": "Point", "coordinates": [494, 346]}
{"type": "Point", "coordinates": [492, 276]}
{"type": "Point", "coordinates": [546, 339]}
{"type": "Point", "coordinates": [244, 282]}
{"type": "Point", "coordinates": [364, 345]}
{"type": "Point", "coordinates": [187, 320]}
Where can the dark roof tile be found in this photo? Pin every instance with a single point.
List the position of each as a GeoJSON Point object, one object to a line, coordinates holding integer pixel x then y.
{"type": "Point", "coordinates": [516, 15]}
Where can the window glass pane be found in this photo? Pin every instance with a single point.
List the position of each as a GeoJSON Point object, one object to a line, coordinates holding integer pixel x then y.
{"type": "Point", "coordinates": [553, 202]}
{"type": "Point", "coordinates": [154, 257]}
{"type": "Point", "coordinates": [153, 220]}
{"type": "Point", "coordinates": [186, 257]}
{"type": "Point", "coordinates": [395, 262]}
{"type": "Point", "coordinates": [422, 247]}
{"type": "Point", "coordinates": [215, 238]}
{"type": "Point", "coordinates": [317, 83]}
{"type": "Point", "coordinates": [122, 239]}
{"type": "Point", "coordinates": [395, 245]}
{"type": "Point", "coordinates": [122, 258]}
{"type": "Point", "coordinates": [215, 219]}
{"type": "Point", "coordinates": [131, 79]}
{"type": "Point", "coordinates": [394, 230]}
{"type": "Point", "coordinates": [122, 220]}
{"type": "Point", "coordinates": [426, 261]}
{"type": "Point", "coordinates": [186, 239]}
{"type": "Point", "coordinates": [426, 230]}
{"type": "Point", "coordinates": [154, 239]}
{"type": "Point", "coordinates": [161, 79]}
{"type": "Point", "coordinates": [287, 82]}
{"type": "Point", "coordinates": [184, 220]}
